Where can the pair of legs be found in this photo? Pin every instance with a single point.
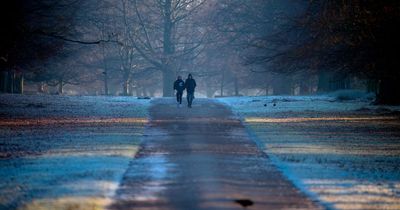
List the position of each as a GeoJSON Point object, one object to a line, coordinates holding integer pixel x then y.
{"type": "Point", "coordinates": [190, 97]}
{"type": "Point", "coordinates": [179, 96]}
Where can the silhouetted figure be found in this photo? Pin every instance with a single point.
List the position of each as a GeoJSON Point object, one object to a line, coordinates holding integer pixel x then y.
{"type": "Point", "coordinates": [244, 202]}
{"type": "Point", "coordinates": [190, 85]}
{"type": "Point", "coordinates": [179, 86]}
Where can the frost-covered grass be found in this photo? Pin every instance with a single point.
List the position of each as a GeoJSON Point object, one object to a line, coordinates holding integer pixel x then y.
{"type": "Point", "coordinates": [346, 154]}
{"type": "Point", "coordinates": [272, 105]}
{"type": "Point", "coordinates": [20, 106]}
{"type": "Point", "coordinates": [66, 152]}
{"type": "Point", "coordinates": [301, 105]}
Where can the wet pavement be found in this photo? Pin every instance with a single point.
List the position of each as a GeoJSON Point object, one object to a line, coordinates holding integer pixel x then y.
{"type": "Point", "coordinates": [202, 158]}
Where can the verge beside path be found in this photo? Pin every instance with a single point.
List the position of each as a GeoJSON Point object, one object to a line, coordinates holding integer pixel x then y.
{"type": "Point", "coordinates": [202, 158]}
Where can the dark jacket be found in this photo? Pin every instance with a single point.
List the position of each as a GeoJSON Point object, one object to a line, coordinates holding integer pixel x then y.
{"type": "Point", "coordinates": [179, 85]}
{"type": "Point", "coordinates": [190, 85]}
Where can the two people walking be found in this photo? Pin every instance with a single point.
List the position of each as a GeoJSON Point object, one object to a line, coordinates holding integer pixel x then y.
{"type": "Point", "coordinates": [180, 86]}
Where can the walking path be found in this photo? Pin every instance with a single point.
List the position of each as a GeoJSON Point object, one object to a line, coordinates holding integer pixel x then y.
{"type": "Point", "coordinates": [202, 158]}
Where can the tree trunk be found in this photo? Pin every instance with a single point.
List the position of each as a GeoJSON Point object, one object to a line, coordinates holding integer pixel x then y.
{"type": "Point", "coordinates": [125, 87]}
{"type": "Point", "coordinates": [339, 82]}
{"type": "Point", "coordinates": [12, 82]}
{"type": "Point", "coordinates": [209, 91]}
{"type": "Point", "coordinates": [21, 84]}
{"type": "Point", "coordinates": [41, 87]}
{"type": "Point", "coordinates": [221, 92]}
{"type": "Point", "coordinates": [222, 83]}
{"type": "Point", "coordinates": [323, 82]}
{"type": "Point", "coordinates": [130, 88]}
{"type": "Point", "coordinates": [145, 92]}
{"type": "Point", "coordinates": [167, 71]}
{"type": "Point", "coordinates": [60, 87]}
{"type": "Point", "coordinates": [4, 81]}
{"type": "Point", "coordinates": [168, 81]}
{"type": "Point", "coordinates": [105, 73]}
{"type": "Point", "coordinates": [236, 83]}
{"type": "Point", "coordinates": [106, 92]}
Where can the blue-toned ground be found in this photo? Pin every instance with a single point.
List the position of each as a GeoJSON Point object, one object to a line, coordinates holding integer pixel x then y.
{"type": "Point", "coordinates": [344, 153]}
{"type": "Point", "coordinates": [61, 152]}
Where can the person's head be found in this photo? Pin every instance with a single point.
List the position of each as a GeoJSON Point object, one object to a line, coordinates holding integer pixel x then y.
{"type": "Point", "coordinates": [190, 76]}
{"type": "Point", "coordinates": [179, 77]}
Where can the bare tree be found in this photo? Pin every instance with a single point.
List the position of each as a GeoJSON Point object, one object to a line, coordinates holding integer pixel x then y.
{"type": "Point", "coordinates": [162, 33]}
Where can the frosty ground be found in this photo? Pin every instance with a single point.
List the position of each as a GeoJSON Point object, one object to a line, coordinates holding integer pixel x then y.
{"type": "Point", "coordinates": [60, 152]}
{"type": "Point", "coordinates": [71, 152]}
{"type": "Point", "coordinates": [346, 154]}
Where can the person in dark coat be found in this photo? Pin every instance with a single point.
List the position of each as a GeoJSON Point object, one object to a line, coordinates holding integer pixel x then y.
{"type": "Point", "coordinates": [179, 86]}
{"type": "Point", "coordinates": [190, 85]}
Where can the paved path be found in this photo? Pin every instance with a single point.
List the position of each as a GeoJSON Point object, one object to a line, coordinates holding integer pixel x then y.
{"type": "Point", "coordinates": [202, 158]}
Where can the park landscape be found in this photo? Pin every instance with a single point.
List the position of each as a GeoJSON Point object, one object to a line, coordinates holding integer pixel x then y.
{"type": "Point", "coordinates": [73, 152]}
{"type": "Point", "coordinates": [296, 105]}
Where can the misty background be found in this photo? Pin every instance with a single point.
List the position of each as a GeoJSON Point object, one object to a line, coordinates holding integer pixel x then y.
{"type": "Point", "coordinates": [232, 47]}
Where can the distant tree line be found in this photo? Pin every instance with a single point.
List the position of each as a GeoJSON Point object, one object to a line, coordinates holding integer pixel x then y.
{"type": "Point", "coordinates": [233, 47]}
{"type": "Point", "coordinates": [330, 43]}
